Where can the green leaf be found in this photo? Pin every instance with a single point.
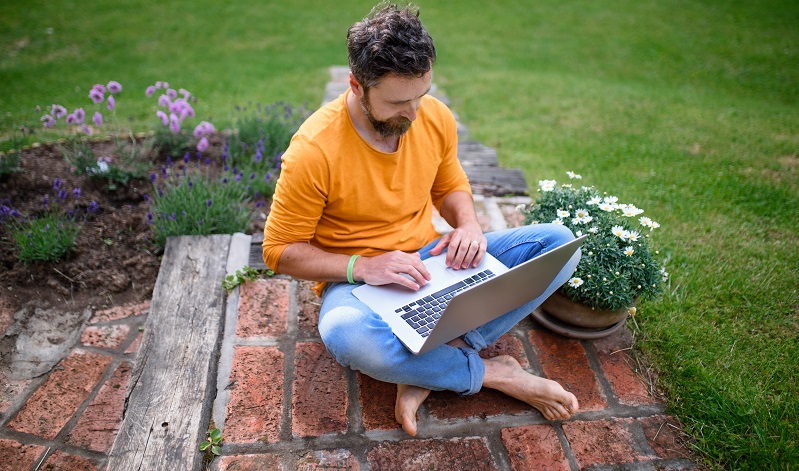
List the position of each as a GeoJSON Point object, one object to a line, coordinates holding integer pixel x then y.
{"type": "Point", "coordinates": [216, 435]}
{"type": "Point", "coordinates": [204, 446]}
{"type": "Point", "coordinates": [216, 450]}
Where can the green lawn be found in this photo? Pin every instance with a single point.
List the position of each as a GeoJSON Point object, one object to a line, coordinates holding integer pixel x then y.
{"type": "Point", "coordinates": [687, 109]}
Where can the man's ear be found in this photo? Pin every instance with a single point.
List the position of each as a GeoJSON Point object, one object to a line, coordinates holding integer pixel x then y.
{"type": "Point", "coordinates": [356, 87]}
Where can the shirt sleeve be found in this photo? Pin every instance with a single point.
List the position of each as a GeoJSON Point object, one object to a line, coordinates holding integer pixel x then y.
{"type": "Point", "coordinates": [299, 199]}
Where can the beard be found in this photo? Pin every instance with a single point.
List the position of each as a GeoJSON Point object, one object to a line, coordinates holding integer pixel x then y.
{"type": "Point", "coordinates": [396, 126]}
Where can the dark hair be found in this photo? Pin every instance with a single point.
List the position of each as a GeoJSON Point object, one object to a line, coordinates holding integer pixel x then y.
{"type": "Point", "coordinates": [391, 40]}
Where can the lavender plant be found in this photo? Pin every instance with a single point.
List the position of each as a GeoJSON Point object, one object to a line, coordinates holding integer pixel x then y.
{"type": "Point", "coordinates": [189, 200]}
{"type": "Point", "coordinates": [51, 234]}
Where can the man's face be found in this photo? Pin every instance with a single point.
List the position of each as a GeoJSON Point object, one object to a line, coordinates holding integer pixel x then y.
{"type": "Point", "coordinates": [391, 105]}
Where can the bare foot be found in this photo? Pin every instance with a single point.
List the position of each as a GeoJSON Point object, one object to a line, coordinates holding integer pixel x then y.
{"type": "Point", "coordinates": [409, 399]}
{"type": "Point", "coordinates": [504, 374]}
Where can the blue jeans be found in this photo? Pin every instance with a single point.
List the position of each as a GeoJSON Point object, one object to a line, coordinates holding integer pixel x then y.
{"type": "Point", "coordinates": [359, 339]}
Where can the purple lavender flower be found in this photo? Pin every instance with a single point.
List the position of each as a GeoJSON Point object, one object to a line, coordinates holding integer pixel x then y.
{"type": "Point", "coordinates": [150, 90]}
{"type": "Point", "coordinates": [76, 193]}
{"type": "Point", "coordinates": [200, 222]}
{"type": "Point", "coordinates": [114, 87]}
{"type": "Point", "coordinates": [58, 111]}
{"type": "Point", "coordinates": [163, 116]}
{"type": "Point", "coordinates": [202, 145]}
{"type": "Point", "coordinates": [62, 194]}
{"type": "Point", "coordinates": [96, 95]}
{"type": "Point", "coordinates": [163, 171]}
{"type": "Point", "coordinates": [57, 184]}
{"type": "Point", "coordinates": [153, 176]}
{"type": "Point", "coordinates": [97, 119]}
{"type": "Point", "coordinates": [209, 203]}
{"type": "Point", "coordinates": [146, 198]}
{"type": "Point", "coordinates": [48, 121]}
{"type": "Point", "coordinates": [93, 207]}
{"type": "Point", "coordinates": [111, 102]}
{"type": "Point", "coordinates": [186, 157]}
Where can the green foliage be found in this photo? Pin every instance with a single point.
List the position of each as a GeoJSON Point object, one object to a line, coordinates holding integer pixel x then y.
{"type": "Point", "coordinates": [45, 239]}
{"type": "Point", "coordinates": [193, 203]}
{"type": "Point", "coordinates": [214, 442]}
{"type": "Point", "coordinates": [9, 163]}
{"type": "Point", "coordinates": [131, 160]}
{"type": "Point", "coordinates": [241, 276]}
{"type": "Point", "coordinates": [165, 142]}
{"type": "Point", "coordinates": [617, 268]}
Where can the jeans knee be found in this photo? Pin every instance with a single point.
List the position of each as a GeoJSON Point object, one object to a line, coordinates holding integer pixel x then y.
{"type": "Point", "coordinates": [344, 332]}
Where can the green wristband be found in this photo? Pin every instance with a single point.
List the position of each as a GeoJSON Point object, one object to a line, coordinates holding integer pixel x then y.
{"type": "Point", "coordinates": [349, 268]}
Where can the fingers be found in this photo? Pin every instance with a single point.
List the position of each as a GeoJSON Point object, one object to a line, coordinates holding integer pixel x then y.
{"type": "Point", "coordinates": [466, 250]}
{"type": "Point", "coordinates": [397, 267]}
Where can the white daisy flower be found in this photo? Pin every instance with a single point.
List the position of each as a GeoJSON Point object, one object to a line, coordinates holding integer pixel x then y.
{"type": "Point", "coordinates": [607, 207]}
{"type": "Point", "coordinates": [562, 214]}
{"type": "Point", "coordinates": [576, 221]}
{"type": "Point", "coordinates": [575, 282]}
{"type": "Point", "coordinates": [653, 225]}
{"type": "Point", "coordinates": [587, 219]}
{"type": "Point", "coordinates": [633, 236]}
{"type": "Point", "coordinates": [557, 222]}
{"type": "Point", "coordinates": [631, 211]}
{"type": "Point", "coordinates": [628, 251]}
{"type": "Point", "coordinates": [618, 231]}
{"type": "Point", "coordinates": [645, 221]}
{"type": "Point", "coordinates": [574, 176]}
{"type": "Point", "coordinates": [593, 230]}
{"type": "Point", "coordinates": [594, 201]}
{"type": "Point", "coordinates": [581, 213]}
{"type": "Point", "coordinates": [547, 185]}
{"type": "Point", "coordinates": [521, 207]}
{"type": "Point", "coordinates": [611, 200]}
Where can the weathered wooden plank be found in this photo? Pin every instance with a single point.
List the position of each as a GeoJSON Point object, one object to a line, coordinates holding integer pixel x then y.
{"type": "Point", "coordinates": [496, 181]}
{"type": "Point", "coordinates": [171, 390]}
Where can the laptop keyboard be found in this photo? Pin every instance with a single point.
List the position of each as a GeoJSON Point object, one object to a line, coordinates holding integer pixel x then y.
{"type": "Point", "coordinates": [423, 314]}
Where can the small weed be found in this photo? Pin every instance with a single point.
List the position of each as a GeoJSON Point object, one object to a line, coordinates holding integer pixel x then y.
{"type": "Point", "coordinates": [213, 445]}
{"type": "Point", "coordinates": [242, 276]}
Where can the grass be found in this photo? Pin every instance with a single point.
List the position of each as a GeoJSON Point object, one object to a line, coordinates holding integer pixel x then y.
{"type": "Point", "coordinates": [689, 109]}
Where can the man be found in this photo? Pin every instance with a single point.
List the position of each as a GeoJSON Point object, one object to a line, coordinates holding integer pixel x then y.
{"type": "Point", "coordinates": [354, 205]}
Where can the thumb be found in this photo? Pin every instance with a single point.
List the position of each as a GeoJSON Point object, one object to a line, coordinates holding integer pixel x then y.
{"type": "Point", "coordinates": [442, 243]}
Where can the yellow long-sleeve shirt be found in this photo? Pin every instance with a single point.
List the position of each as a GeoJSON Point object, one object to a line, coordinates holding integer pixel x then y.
{"type": "Point", "coordinates": [340, 194]}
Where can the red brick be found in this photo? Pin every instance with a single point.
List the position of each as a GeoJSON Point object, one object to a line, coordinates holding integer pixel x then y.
{"type": "Point", "coordinates": [665, 436]}
{"type": "Point", "coordinates": [513, 217]}
{"type": "Point", "coordinates": [507, 345]}
{"type": "Point", "coordinates": [121, 312]}
{"type": "Point", "coordinates": [308, 304]}
{"type": "Point", "coordinates": [534, 447]}
{"type": "Point", "coordinates": [601, 442]}
{"type": "Point", "coordinates": [59, 461]}
{"type": "Point", "coordinates": [377, 403]}
{"type": "Point", "coordinates": [256, 395]}
{"type": "Point", "coordinates": [97, 427]}
{"type": "Point", "coordinates": [263, 308]}
{"type": "Point", "coordinates": [457, 453]}
{"type": "Point", "coordinates": [248, 463]}
{"type": "Point", "coordinates": [106, 336]}
{"type": "Point", "coordinates": [9, 390]}
{"type": "Point", "coordinates": [564, 361]}
{"type": "Point", "coordinates": [135, 345]}
{"type": "Point", "coordinates": [18, 457]}
{"type": "Point", "coordinates": [319, 403]}
{"type": "Point", "coordinates": [54, 403]}
{"type": "Point", "coordinates": [328, 459]}
{"type": "Point", "coordinates": [617, 363]}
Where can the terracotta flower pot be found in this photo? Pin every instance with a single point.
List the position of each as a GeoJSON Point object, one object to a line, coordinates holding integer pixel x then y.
{"type": "Point", "coordinates": [572, 319]}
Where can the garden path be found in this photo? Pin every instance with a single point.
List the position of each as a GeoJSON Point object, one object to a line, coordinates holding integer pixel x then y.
{"type": "Point", "coordinates": [283, 403]}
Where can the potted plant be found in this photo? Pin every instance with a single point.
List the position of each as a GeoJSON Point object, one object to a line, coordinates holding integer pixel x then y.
{"type": "Point", "coordinates": [617, 267]}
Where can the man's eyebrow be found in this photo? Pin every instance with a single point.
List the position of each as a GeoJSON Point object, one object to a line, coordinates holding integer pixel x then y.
{"type": "Point", "coordinates": [399, 102]}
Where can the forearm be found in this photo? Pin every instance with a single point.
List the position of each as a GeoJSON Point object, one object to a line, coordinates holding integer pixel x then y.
{"type": "Point", "coordinates": [307, 262]}
{"type": "Point", "coordinates": [458, 210]}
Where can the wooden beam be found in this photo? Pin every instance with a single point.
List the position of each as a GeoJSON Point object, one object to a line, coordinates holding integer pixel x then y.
{"type": "Point", "coordinates": [167, 409]}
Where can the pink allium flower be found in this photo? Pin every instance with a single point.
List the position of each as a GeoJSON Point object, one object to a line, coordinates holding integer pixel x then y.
{"type": "Point", "coordinates": [96, 95]}
{"type": "Point", "coordinates": [71, 119]}
{"type": "Point", "coordinates": [58, 111]}
{"type": "Point", "coordinates": [150, 90]}
{"type": "Point", "coordinates": [80, 115]}
{"type": "Point", "coordinates": [185, 93]}
{"type": "Point", "coordinates": [97, 119]}
{"type": "Point", "coordinates": [99, 87]}
{"type": "Point", "coordinates": [174, 124]}
{"type": "Point", "coordinates": [163, 116]}
{"type": "Point", "coordinates": [111, 102]}
{"type": "Point", "coordinates": [202, 145]}
{"type": "Point", "coordinates": [114, 87]}
{"type": "Point", "coordinates": [204, 129]}
{"type": "Point", "coordinates": [85, 129]}
{"type": "Point", "coordinates": [164, 101]}
{"type": "Point", "coordinates": [48, 121]}
{"type": "Point", "coordinates": [172, 93]}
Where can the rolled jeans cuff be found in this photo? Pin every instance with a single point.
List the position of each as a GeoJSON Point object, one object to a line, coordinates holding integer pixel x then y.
{"type": "Point", "coordinates": [477, 370]}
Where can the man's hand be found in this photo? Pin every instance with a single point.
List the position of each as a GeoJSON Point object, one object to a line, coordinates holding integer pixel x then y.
{"type": "Point", "coordinates": [465, 245]}
{"type": "Point", "coordinates": [392, 267]}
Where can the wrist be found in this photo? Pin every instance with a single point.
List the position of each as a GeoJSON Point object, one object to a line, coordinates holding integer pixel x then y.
{"type": "Point", "coordinates": [351, 278]}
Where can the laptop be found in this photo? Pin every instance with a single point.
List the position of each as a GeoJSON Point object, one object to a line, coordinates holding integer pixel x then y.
{"type": "Point", "coordinates": [454, 302]}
